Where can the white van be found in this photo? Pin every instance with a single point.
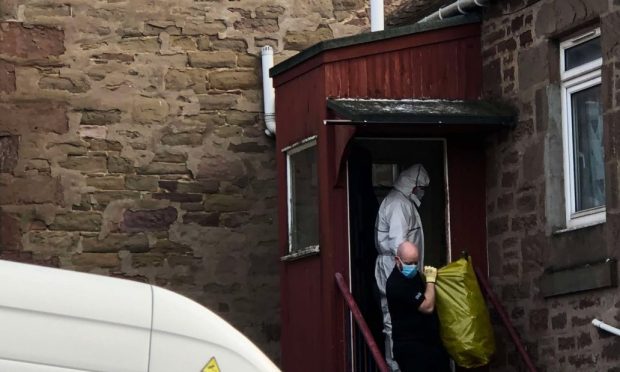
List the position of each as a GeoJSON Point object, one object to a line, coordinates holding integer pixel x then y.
{"type": "Point", "coordinates": [55, 320]}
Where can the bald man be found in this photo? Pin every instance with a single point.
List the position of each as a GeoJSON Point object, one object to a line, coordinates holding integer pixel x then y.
{"type": "Point", "coordinates": [415, 326]}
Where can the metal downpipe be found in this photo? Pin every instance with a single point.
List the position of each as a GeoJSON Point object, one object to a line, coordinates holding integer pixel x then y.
{"type": "Point", "coordinates": [454, 9]}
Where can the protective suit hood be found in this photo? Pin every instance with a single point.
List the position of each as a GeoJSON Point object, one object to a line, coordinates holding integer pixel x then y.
{"type": "Point", "coordinates": [415, 175]}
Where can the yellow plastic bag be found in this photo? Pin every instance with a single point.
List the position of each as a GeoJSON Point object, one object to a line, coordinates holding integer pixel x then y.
{"type": "Point", "coordinates": [463, 316]}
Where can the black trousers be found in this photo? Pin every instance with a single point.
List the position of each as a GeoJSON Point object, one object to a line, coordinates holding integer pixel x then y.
{"type": "Point", "coordinates": [419, 356]}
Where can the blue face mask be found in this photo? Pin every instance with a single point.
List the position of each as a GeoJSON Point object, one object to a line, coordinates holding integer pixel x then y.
{"type": "Point", "coordinates": [409, 270]}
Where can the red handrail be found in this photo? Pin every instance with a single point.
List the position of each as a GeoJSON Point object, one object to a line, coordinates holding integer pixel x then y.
{"type": "Point", "coordinates": [505, 320]}
{"type": "Point", "coordinates": [359, 319]}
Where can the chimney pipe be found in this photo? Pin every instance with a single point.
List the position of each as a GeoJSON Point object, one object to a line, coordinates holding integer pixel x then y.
{"type": "Point", "coordinates": [376, 15]}
{"type": "Point", "coordinates": [269, 93]}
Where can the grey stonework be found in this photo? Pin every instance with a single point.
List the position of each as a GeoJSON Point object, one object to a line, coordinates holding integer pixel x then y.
{"type": "Point", "coordinates": [520, 46]}
{"type": "Point", "coordinates": [132, 144]}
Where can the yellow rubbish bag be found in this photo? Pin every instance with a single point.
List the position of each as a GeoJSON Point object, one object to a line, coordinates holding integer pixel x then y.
{"type": "Point", "coordinates": [464, 320]}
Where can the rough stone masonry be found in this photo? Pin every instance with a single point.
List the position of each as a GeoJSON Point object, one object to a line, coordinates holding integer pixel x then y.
{"type": "Point", "coordinates": [132, 145]}
{"type": "Point", "coordinates": [520, 49]}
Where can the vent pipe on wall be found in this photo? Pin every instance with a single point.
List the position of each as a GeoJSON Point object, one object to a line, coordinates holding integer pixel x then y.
{"type": "Point", "coordinates": [269, 93]}
{"type": "Point", "coordinates": [376, 15]}
{"type": "Point", "coordinates": [605, 326]}
{"type": "Point", "coordinates": [454, 9]}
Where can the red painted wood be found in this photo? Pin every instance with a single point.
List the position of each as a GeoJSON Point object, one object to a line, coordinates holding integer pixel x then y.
{"type": "Point", "coordinates": [358, 70]}
{"type": "Point", "coordinates": [334, 253]}
{"type": "Point", "coordinates": [405, 78]}
{"type": "Point", "coordinates": [428, 71]}
{"type": "Point", "coordinates": [467, 185]}
{"type": "Point", "coordinates": [301, 290]}
{"type": "Point", "coordinates": [381, 47]}
{"type": "Point", "coordinates": [342, 137]}
{"type": "Point", "coordinates": [301, 322]}
{"type": "Point", "coordinates": [439, 64]}
{"type": "Point", "coordinates": [319, 316]}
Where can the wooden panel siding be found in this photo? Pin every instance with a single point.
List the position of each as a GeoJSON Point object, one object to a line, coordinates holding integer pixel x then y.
{"type": "Point", "coordinates": [384, 47]}
{"type": "Point", "coordinates": [467, 183]}
{"type": "Point", "coordinates": [333, 222]}
{"type": "Point", "coordinates": [448, 71]}
{"type": "Point", "coordinates": [304, 101]}
{"type": "Point", "coordinates": [308, 293]}
{"type": "Point", "coordinates": [301, 289]}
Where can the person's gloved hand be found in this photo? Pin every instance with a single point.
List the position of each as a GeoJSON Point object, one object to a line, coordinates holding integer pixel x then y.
{"type": "Point", "coordinates": [430, 273]}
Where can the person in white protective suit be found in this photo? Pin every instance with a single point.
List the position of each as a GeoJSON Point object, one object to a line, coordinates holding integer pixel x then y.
{"type": "Point", "coordinates": [398, 220]}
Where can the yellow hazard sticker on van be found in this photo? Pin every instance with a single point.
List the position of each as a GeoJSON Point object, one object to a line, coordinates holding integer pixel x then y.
{"type": "Point", "coordinates": [211, 366]}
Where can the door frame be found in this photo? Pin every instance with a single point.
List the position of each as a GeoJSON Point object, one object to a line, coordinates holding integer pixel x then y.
{"type": "Point", "coordinates": [446, 190]}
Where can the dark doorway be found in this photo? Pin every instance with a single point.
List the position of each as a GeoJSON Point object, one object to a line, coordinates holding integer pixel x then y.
{"type": "Point", "coordinates": [399, 154]}
{"type": "Point", "coordinates": [373, 164]}
{"type": "Point", "coordinates": [363, 207]}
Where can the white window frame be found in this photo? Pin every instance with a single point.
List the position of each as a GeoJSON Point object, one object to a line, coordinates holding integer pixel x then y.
{"type": "Point", "coordinates": [291, 150]}
{"type": "Point", "coordinates": [575, 80]}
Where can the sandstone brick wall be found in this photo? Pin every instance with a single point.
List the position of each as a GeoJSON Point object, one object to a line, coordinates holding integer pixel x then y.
{"type": "Point", "coordinates": [521, 57]}
{"type": "Point", "coordinates": [132, 144]}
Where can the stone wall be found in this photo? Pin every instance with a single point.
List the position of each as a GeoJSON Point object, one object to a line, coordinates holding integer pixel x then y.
{"type": "Point", "coordinates": [525, 196]}
{"type": "Point", "coordinates": [132, 144]}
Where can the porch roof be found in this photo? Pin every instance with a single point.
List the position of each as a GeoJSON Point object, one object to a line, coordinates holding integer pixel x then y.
{"type": "Point", "coordinates": [422, 111]}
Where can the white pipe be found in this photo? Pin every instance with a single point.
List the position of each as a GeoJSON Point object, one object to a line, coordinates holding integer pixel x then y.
{"type": "Point", "coordinates": [606, 327]}
{"type": "Point", "coordinates": [376, 15]}
{"type": "Point", "coordinates": [456, 8]}
{"type": "Point", "coordinates": [269, 93]}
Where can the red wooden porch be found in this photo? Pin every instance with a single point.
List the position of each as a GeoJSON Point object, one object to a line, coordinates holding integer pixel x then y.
{"type": "Point", "coordinates": [433, 61]}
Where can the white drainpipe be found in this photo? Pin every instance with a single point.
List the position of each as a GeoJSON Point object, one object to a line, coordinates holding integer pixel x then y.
{"type": "Point", "coordinates": [269, 93]}
{"type": "Point", "coordinates": [605, 326]}
{"type": "Point", "coordinates": [456, 8]}
{"type": "Point", "coordinates": [376, 15]}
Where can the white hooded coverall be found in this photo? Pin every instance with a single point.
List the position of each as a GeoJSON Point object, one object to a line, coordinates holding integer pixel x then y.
{"type": "Point", "coordinates": [398, 220]}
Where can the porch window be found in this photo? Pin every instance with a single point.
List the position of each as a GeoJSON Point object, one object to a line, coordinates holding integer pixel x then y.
{"type": "Point", "coordinates": [582, 124]}
{"type": "Point", "coordinates": [383, 177]}
{"type": "Point", "coordinates": [303, 198]}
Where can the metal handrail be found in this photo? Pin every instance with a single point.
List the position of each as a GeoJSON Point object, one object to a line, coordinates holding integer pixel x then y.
{"type": "Point", "coordinates": [359, 319]}
{"type": "Point", "coordinates": [505, 320]}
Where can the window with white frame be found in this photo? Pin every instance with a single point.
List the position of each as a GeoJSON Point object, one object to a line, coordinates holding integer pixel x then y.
{"type": "Point", "coordinates": [303, 197]}
{"type": "Point", "coordinates": [582, 124]}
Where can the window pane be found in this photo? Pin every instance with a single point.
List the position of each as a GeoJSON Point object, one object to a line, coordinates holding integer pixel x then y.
{"type": "Point", "coordinates": [304, 199]}
{"type": "Point", "coordinates": [383, 175]}
{"type": "Point", "coordinates": [588, 160]}
{"type": "Point", "coordinates": [583, 53]}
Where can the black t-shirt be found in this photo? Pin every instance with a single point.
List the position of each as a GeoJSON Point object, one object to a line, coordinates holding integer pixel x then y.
{"type": "Point", "coordinates": [404, 297]}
